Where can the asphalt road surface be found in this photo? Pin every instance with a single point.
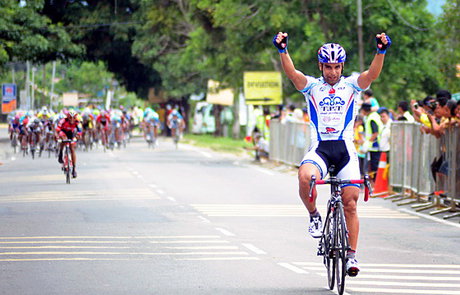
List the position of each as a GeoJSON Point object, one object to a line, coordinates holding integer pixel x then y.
{"type": "Point", "coordinates": [191, 221]}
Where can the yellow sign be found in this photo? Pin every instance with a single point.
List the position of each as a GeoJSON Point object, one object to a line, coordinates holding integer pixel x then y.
{"type": "Point", "coordinates": [219, 96]}
{"type": "Point", "coordinates": [263, 88]}
{"type": "Point", "coordinates": [458, 71]}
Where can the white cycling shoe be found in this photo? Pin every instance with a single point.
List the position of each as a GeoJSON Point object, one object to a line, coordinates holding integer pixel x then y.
{"type": "Point", "coordinates": [316, 226]}
{"type": "Point", "coordinates": [352, 267]}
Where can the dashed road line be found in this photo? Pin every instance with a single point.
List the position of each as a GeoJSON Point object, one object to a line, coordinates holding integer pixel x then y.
{"type": "Point", "coordinates": [254, 249]}
{"type": "Point", "coordinates": [204, 219]}
{"type": "Point", "coordinates": [89, 248]}
{"type": "Point", "coordinates": [398, 278]}
{"type": "Point", "coordinates": [283, 210]}
{"type": "Point", "coordinates": [225, 232]}
{"type": "Point", "coordinates": [293, 268]}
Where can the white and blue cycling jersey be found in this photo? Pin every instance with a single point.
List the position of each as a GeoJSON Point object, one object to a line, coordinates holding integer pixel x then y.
{"type": "Point", "coordinates": [332, 109]}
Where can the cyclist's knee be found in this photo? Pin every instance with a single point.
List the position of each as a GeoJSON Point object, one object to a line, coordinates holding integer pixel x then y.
{"type": "Point", "coordinates": [349, 199]}
{"type": "Point", "coordinates": [305, 173]}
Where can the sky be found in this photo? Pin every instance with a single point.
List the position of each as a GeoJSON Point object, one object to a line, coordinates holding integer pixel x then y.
{"type": "Point", "coordinates": [435, 6]}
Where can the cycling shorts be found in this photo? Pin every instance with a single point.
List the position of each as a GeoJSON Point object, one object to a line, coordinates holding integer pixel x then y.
{"type": "Point", "coordinates": [342, 154]}
{"type": "Point", "coordinates": [69, 134]}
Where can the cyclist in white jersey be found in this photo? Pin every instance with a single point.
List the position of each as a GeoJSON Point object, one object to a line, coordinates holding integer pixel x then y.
{"type": "Point", "coordinates": [332, 107]}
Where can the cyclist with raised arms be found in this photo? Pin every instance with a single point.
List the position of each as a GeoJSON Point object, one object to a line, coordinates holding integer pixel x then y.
{"type": "Point", "coordinates": [332, 107]}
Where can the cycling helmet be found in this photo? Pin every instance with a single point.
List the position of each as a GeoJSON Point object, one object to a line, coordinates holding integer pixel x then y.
{"type": "Point", "coordinates": [72, 114]}
{"type": "Point", "coordinates": [331, 53]}
{"type": "Point", "coordinates": [36, 121]}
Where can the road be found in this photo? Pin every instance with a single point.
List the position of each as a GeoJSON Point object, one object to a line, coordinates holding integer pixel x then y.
{"type": "Point", "coordinates": [191, 221]}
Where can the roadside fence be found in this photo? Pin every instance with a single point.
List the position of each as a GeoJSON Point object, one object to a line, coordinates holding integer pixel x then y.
{"type": "Point", "coordinates": [424, 169]}
{"type": "Point", "coordinates": [288, 141]}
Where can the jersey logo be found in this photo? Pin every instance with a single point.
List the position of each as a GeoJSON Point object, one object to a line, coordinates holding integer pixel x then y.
{"type": "Point", "coordinates": [330, 130]}
{"type": "Point", "coordinates": [332, 102]}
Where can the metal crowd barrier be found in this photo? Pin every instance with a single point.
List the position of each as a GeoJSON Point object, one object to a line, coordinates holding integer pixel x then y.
{"type": "Point", "coordinates": [412, 157]}
{"type": "Point", "coordinates": [288, 141]}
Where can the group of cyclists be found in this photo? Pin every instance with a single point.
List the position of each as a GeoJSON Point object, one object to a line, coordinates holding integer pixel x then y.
{"type": "Point", "coordinates": [36, 132]}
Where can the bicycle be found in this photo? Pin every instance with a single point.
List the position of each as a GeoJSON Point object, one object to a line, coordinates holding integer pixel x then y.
{"type": "Point", "coordinates": [14, 141]}
{"type": "Point", "coordinates": [333, 244]}
{"type": "Point", "coordinates": [67, 164]}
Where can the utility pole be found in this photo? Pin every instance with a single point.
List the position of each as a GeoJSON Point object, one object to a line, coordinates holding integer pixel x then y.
{"type": "Point", "coordinates": [34, 69]}
{"type": "Point", "coordinates": [27, 104]}
{"type": "Point", "coordinates": [52, 84]}
{"type": "Point", "coordinates": [360, 36]}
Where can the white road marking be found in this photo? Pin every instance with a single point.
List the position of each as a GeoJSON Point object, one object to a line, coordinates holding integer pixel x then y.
{"type": "Point", "coordinates": [430, 217]}
{"type": "Point", "coordinates": [268, 172]}
{"type": "Point", "coordinates": [207, 155]}
{"type": "Point", "coordinates": [408, 284]}
{"type": "Point", "coordinates": [171, 199]}
{"type": "Point", "coordinates": [283, 210]}
{"type": "Point", "coordinates": [217, 259]}
{"type": "Point", "coordinates": [254, 249]}
{"type": "Point", "coordinates": [293, 268]}
{"type": "Point", "coordinates": [204, 219]}
{"type": "Point", "coordinates": [225, 232]}
{"type": "Point", "coordinates": [161, 192]}
{"type": "Point", "coordinates": [404, 291]}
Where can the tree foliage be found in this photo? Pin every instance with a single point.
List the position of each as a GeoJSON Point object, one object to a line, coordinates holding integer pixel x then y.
{"type": "Point", "coordinates": [27, 34]}
{"type": "Point", "coordinates": [177, 45]}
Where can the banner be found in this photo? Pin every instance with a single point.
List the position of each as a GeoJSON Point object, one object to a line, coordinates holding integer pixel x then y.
{"type": "Point", "coordinates": [70, 99]}
{"type": "Point", "coordinates": [219, 96]}
{"type": "Point", "coordinates": [263, 88]}
{"type": "Point", "coordinates": [9, 94]}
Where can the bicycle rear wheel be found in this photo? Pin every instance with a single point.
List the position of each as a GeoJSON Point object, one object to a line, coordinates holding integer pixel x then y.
{"type": "Point", "coordinates": [341, 244]}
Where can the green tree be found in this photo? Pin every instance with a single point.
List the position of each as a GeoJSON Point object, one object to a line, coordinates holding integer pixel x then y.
{"type": "Point", "coordinates": [84, 77]}
{"type": "Point", "coordinates": [448, 53]}
{"type": "Point", "coordinates": [27, 34]}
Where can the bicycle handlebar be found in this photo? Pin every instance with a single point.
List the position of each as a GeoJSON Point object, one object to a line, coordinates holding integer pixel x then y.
{"type": "Point", "coordinates": [335, 181]}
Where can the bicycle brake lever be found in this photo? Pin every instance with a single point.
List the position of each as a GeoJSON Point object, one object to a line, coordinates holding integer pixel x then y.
{"type": "Point", "coordinates": [312, 184]}
{"type": "Point", "coordinates": [368, 188]}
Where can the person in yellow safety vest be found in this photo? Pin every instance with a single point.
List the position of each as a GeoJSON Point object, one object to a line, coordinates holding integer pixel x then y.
{"type": "Point", "coordinates": [263, 123]}
{"type": "Point", "coordinates": [372, 127]}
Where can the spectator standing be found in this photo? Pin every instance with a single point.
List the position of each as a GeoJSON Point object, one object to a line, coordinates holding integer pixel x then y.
{"type": "Point", "coordinates": [370, 99]}
{"type": "Point", "coordinates": [358, 140]}
{"type": "Point", "coordinates": [403, 112]}
{"type": "Point", "coordinates": [385, 133]}
{"type": "Point", "coordinates": [372, 128]}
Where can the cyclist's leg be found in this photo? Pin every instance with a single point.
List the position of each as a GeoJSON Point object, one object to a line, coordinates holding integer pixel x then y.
{"type": "Point", "coordinates": [312, 164]}
{"type": "Point", "coordinates": [350, 194]}
{"type": "Point", "coordinates": [304, 175]}
{"type": "Point", "coordinates": [350, 198]}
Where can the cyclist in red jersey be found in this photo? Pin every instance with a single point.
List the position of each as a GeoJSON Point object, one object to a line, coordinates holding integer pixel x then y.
{"type": "Point", "coordinates": [103, 122]}
{"type": "Point", "coordinates": [69, 128]}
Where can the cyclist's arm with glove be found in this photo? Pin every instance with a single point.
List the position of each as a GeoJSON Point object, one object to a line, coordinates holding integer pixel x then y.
{"type": "Point", "coordinates": [297, 77]}
{"type": "Point", "coordinates": [367, 77]}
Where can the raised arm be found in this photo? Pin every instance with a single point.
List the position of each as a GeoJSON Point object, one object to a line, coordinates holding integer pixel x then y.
{"type": "Point", "coordinates": [367, 77]}
{"type": "Point", "coordinates": [297, 77]}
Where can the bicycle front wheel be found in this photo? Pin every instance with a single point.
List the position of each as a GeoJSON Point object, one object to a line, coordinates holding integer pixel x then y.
{"type": "Point", "coordinates": [67, 164]}
{"type": "Point", "coordinates": [328, 252]}
{"type": "Point", "coordinates": [341, 246]}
